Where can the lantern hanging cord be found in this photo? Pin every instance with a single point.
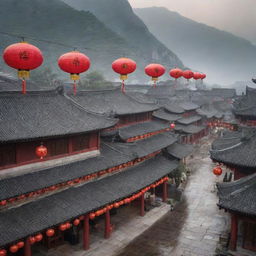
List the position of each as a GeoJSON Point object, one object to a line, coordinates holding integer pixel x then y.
{"type": "Point", "coordinates": [23, 37]}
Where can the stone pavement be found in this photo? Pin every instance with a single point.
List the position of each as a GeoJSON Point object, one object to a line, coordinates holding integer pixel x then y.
{"type": "Point", "coordinates": [193, 228]}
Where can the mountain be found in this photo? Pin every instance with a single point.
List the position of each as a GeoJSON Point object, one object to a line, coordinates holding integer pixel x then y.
{"type": "Point", "coordinates": [53, 20]}
{"type": "Point", "coordinates": [118, 15]}
{"type": "Point", "coordinates": [225, 58]}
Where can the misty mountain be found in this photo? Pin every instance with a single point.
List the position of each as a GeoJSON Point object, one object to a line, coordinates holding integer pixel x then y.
{"type": "Point", "coordinates": [55, 21]}
{"type": "Point", "coordinates": [119, 17]}
{"type": "Point", "coordinates": [224, 57]}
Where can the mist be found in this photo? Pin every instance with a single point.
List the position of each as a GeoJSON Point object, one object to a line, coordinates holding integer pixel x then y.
{"type": "Point", "coordinates": [235, 16]}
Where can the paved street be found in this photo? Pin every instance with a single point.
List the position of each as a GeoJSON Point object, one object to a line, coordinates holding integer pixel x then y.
{"type": "Point", "coordinates": [193, 228]}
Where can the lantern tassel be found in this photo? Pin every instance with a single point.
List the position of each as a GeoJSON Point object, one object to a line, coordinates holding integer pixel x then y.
{"type": "Point", "coordinates": [23, 86]}
{"type": "Point", "coordinates": [123, 87]}
{"type": "Point", "coordinates": [74, 87]}
{"type": "Point", "coordinates": [154, 83]}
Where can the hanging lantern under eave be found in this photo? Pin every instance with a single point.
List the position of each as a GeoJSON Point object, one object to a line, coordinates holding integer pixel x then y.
{"type": "Point", "coordinates": [155, 71]}
{"type": "Point", "coordinates": [217, 171]}
{"type": "Point", "coordinates": [23, 57]}
{"type": "Point", "coordinates": [41, 151]}
{"type": "Point", "coordinates": [74, 63]}
{"type": "Point", "coordinates": [124, 66]}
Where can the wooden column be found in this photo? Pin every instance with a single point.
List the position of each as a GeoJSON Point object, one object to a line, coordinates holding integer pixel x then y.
{"type": "Point", "coordinates": [234, 231]}
{"type": "Point", "coordinates": [86, 233]}
{"type": "Point", "coordinates": [142, 205]}
{"type": "Point", "coordinates": [27, 248]}
{"type": "Point", "coordinates": [165, 192]}
{"type": "Point", "coordinates": [107, 225]}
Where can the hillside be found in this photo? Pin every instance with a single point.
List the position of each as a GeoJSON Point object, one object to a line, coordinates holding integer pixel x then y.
{"type": "Point", "coordinates": [53, 20]}
{"type": "Point", "coordinates": [119, 17]}
{"type": "Point", "coordinates": [224, 57]}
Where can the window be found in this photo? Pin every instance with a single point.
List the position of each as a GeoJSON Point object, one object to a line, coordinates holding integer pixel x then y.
{"type": "Point", "coordinates": [80, 143]}
{"type": "Point", "coordinates": [7, 155]}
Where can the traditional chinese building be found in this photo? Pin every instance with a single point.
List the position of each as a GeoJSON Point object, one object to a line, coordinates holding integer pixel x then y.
{"type": "Point", "coordinates": [84, 176]}
{"type": "Point", "coordinates": [245, 108]}
{"type": "Point", "coordinates": [239, 199]}
{"type": "Point", "coordinates": [236, 151]}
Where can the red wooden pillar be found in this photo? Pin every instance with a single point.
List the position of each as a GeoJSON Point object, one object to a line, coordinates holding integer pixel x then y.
{"type": "Point", "coordinates": [27, 248]}
{"type": "Point", "coordinates": [86, 233]}
{"type": "Point", "coordinates": [142, 205]}
{"type": "Point", "coordinates": [234, 231]}
{"type": "Point", "coordinates": [165, 192]}
{"type": "Point", "coordinates": [107, 225]}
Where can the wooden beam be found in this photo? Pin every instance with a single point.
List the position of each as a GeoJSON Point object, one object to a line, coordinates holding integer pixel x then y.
{"type": "Point", "coordinates": [142, 205]}
{"type": "Point", "coordinates": [234, 231]}
{"type": "Point", "coordinates": [107, 225]}
{"type": "Point", "coordinates": [86, 233]}
{"type": "Point", "coordinates": [27, 247]}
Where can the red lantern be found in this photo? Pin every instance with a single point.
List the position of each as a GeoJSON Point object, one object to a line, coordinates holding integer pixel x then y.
{"type": "Point", "coordinates": [203, 76]}
{"type": "Point", "coordinates": [23, 57]}
{"type": "Point", "coordinates": [188, 74]}
{"type": "Point", "coordinates": [74, 63]}
{"type": "Point", "coordinates": [50, 232]}
{"type": "Point", "coordinates": [32, 240]}
{"type": "Point", "coordinates": [76, 222]}
{"type": "Point", "coordinates": [172, 125]}
{"type": "Point", "coordinates": [20, 245]}
{"type": "Point", "coordinates": [3, 252]}
{"type": "Point", "coordinates": [38, 237]}
{"type": "Point", "coordinates": [68, 225]}
{"type": "Point", "coordinates": [155, 71]}
{"type": "Point", "coordinates": [62, 227]}
{"type": "Point", "coordinates": [217, 171]}
{"type": "Point", "coordinates": [116, 205]}
{"type": "Point", "coordinates": [124, 66]}
{"type": "Point", "coordinates": [14, 248]}
{"type": "Point", "coordinates": [176, 73]}
{"type": "Point", "coordinates": [3, 202]}
{"type": "Point", "coordinates": [197, 76]}
{"type": "Point", "coordinates": [41, 151]}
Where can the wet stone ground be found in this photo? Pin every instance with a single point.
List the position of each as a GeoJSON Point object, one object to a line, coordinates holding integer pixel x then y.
{"type": "Point", "coordinates": [193, 228]}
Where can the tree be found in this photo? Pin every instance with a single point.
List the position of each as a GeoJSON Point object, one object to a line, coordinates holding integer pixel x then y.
{"type": "Point", "coordinates": [95, 80]}
{"type": "Point", "coordinates": [45, 77]}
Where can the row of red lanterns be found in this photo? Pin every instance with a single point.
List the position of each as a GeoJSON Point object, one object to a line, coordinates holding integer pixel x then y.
{"type": "Point", "coordinates": [25, 57]}
{"type": "Point", "coordinates": [67, 225]}
{"type": "Point", "coordinates": [78, 180]}
{"type": "Point", "coordinates": [147, 135]}
{"type": "Point", "coordinates": [220, 124]}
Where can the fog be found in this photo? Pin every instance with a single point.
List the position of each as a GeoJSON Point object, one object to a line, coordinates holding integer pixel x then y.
{"type": "Point", "coordinates": [235, 16]}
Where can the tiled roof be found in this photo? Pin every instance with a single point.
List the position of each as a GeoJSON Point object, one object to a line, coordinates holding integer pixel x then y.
{"type": "Point", "coordinates": [180, 150]}
{"type": "Point", "coordinates": [112, 154]}
{"type": "Point", "coordinates": [189, 129]}
{"type": "Point", "coordinates": [239, 196]}
{"type": "Point", "coordinates": [190, 119]}
{"type": "Point", "coordinates": [112, 102]}
{"type": "Point", "coordinates": [142, 128]}
{"type": "Point", "coordinates": [165, 115]}
{"type": "Point", "coordinates": [27, 219]}
{"type": "Point", "coordinates": [239, 150]}
{"type": "Point", "coordinates": [44, 114]}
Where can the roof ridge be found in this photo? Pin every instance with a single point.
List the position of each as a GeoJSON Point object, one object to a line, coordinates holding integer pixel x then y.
{"type": "Point", "coordinates": [50, 92]}
{"type": "Point", "coordinates": [88, 111]}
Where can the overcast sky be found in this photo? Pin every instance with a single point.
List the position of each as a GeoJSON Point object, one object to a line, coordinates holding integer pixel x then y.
{"type": "Point", "coordinates": [236, 16]}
